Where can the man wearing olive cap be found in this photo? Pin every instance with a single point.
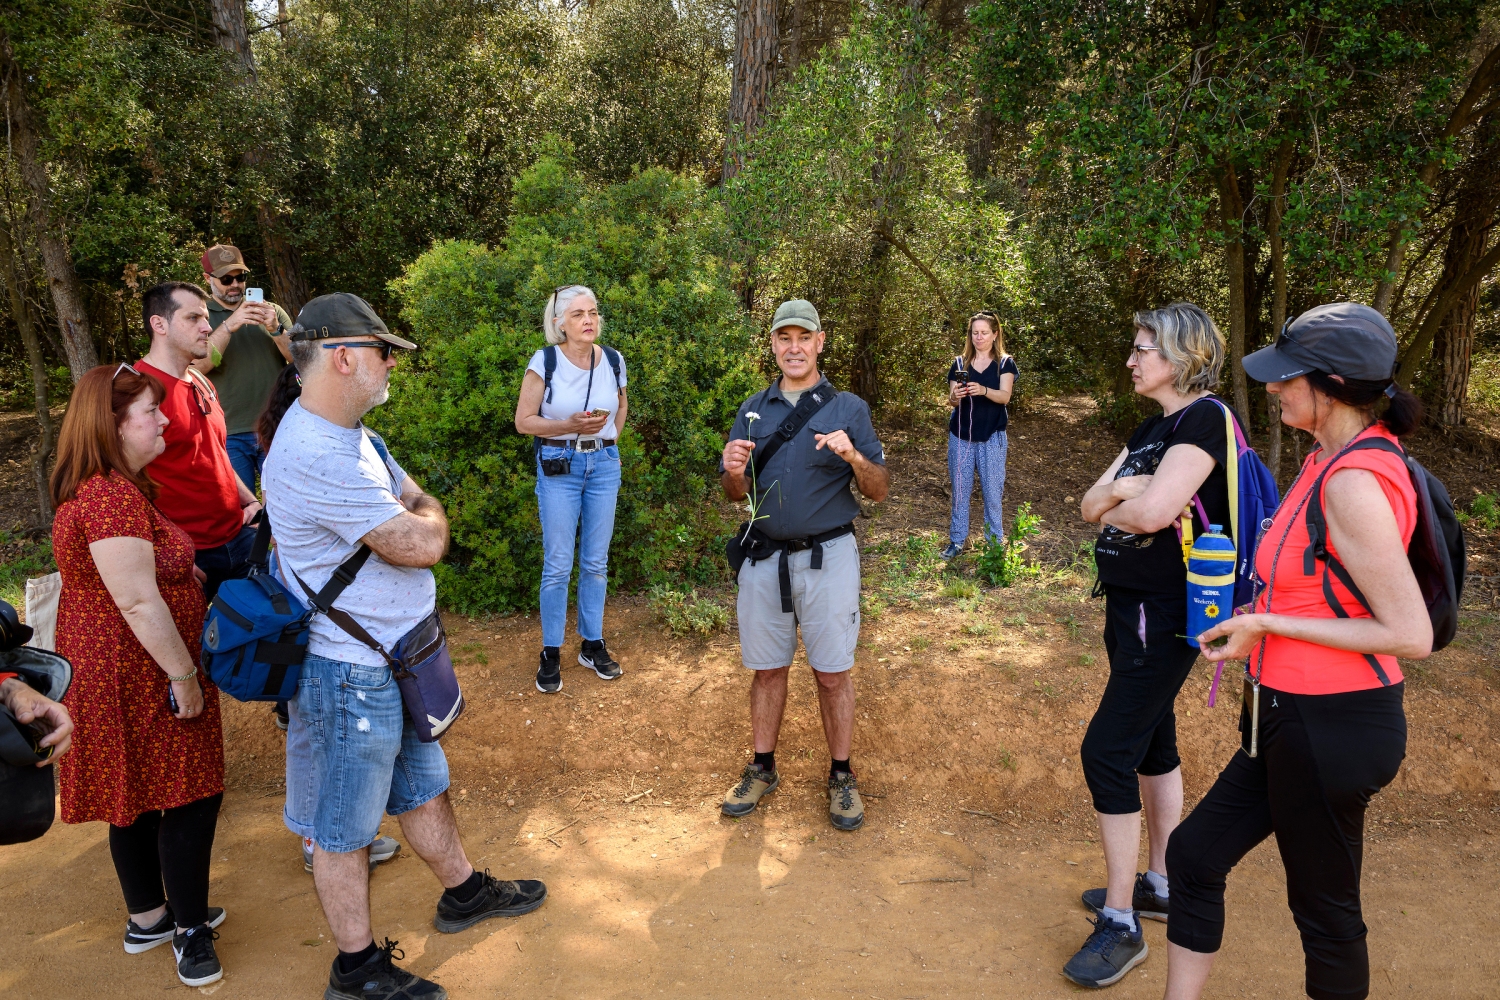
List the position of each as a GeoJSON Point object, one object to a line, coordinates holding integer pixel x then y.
{"type": "Point", "coordinates": [797, 446]}
{"type": "Point", "coordinates": [331, 486]}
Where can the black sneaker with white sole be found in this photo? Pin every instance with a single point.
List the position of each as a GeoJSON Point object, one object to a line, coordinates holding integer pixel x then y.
{"type": "Point", "coordinates": [381, 979]}
{"type": "Point", "coordinates": [1110, 951]}
{"type": "Point", "coordinates": [197, 962]}
{"type": "Point", "coordinates": [1144, 900]}
{"type": "Point", "coordinates": [549, 674]}
{"type": "Point", "coordinates": [495, 898]}
{"type": "Point", "coordinates": [593, 655]}
{"type": "Point", "coordinates": [139, 939]}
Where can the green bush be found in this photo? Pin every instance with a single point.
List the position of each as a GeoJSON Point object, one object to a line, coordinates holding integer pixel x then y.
{"type": "Point", "coordinates": [1484, 511]}
{"type": "Point", "coordinates": [1003, 562]}
{"type": "Point", "coordinates": [652, 248]}
{"type": "Point", "coordinates": [686, 614]}
{"type": "Point", "coordinates": [22, 558]}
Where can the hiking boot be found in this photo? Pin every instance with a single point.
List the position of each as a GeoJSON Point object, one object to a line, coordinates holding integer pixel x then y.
{"type": "Point", "coordinates": [495, 898]}
{"type": "Point", "coordinates": [745, 796]}
{"type": "Point", "coordinates": [845, 809]}
{"type": "Point", "coordinates": [1111, 951]}
{"type": "Point", "coordinates": [594, 656]}
{"type": "Point", "coordinates": [383, 850]}
{"type": "Point", "coordinates": [380, 979]}
{"type": "Point", "coordinates": [197, 963]}
{"type": "Point", "coordinates": [953, 551]}
{"type": "Point", "coordinates": [549, 674]}
{"type": "Point", "coordinates": [139, 939]}
{"type": "Point", "coordinates": [1144, 900]}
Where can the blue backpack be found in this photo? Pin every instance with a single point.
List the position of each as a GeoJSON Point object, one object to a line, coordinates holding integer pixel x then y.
{"type": "Point", "coordinates": [1253, 498]}
{"type": "Point", "coordinates": [255, 636]}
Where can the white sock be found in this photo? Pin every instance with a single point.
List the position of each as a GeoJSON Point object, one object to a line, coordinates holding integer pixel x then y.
{"type": "Point", "coordinates": [1126, 917]}
{"type": "Point", "coordinates": [1158, 883]}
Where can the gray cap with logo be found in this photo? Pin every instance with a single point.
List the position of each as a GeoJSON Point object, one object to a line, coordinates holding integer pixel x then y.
{"type": "Point", "coordinates": [1342, 338]}
{"type": "Point", "coordinates": [343, 314]}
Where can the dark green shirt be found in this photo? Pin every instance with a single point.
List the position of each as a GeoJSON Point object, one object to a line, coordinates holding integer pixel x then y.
{"type": "Point", "coordinates": [249, 368]}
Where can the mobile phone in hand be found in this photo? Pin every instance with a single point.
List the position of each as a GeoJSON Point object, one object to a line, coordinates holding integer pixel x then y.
{"type": "Point", "coordinates": [172, 700]}
{"type": "Point", "coordinates": [598, 413]}
{"type": "Point", "coordinates": [255, 295]}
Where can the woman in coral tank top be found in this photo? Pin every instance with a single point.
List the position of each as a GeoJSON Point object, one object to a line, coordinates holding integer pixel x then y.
{"type": "Point", "coordinates": [1330, 730]}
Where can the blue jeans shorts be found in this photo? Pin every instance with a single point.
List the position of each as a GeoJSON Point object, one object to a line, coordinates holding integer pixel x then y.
{"type": "Point", "coordinates": [365, 756]}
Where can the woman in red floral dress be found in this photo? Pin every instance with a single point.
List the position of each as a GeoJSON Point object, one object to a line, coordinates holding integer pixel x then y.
{"type": "Point", "coordinates": [148, 750]}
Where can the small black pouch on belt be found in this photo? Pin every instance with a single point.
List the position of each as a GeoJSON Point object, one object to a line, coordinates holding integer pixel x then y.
{"type": "Point", "coordinates": [748, 542]}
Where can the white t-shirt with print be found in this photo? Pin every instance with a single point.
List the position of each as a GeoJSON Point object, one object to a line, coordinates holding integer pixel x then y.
{"type": "Point", "coordinates": [326, 488]}
{"type": "Point", "coordinates": [571, 392]}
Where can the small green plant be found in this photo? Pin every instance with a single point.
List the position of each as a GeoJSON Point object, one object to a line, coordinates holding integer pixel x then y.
{"type": "Point", "coordinates": [1003, 562]}
{"type": "Point", "coordinates": [961, 588]}
{"type": "Point", "coordinates": [1085, 659]}
{"type": "Point", "coordinates": [1484, 511]}
{"type": "Point", "coordinates": [22, 558]}
{"type": "Point", "coordinates": [871, 607]}
{"type": "Point", "coordinates": [1006, 760]}
{"type": "Point", "coordinates": [979, 628]}
{"type": "Point", "coordinates": [686, 614]}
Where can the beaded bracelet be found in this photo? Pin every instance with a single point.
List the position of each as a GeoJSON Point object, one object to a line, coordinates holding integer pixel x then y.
{"type": "Point", "coordinates": [185, 677]}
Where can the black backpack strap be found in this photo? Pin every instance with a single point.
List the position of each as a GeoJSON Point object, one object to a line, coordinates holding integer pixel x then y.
{"type": "Point", "coordinates": [613, 357]}
{"type": "Point", "coordinates": [261, 548]}
{"type": "Point", "coordinates": [549, 368]}
{"type": "Point", "coordinates": [812, 401]}
{"type": "Point", "coordinates": [1317, 545]}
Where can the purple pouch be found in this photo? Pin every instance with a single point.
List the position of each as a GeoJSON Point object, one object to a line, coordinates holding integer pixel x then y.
{"type": "Point", "coordinates": [424, 672]}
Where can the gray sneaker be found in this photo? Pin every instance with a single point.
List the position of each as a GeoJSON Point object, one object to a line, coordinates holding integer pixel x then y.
{"type": "Point", "coordinates": [384, 849]}
{"type": "Point", "coordinates": [846, 811]}
{"type": "Point", "coordinates": [746, 794]}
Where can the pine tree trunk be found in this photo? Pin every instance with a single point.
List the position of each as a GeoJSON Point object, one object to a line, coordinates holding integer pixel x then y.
{"type": "Point", "coordinates": [20, 311]}
{"type": "Point", "coordinates": [756, 44]}
{"type": "Point", "coordinates": [57, 260]}
{"type": "Point", "coordinates": [1274, 214]}
{"type": "Point", "coordinates": [865, 376]}
{"type": "Point", "coordinates": [283, 264]}
{"type": "Point", "coordinates": [1232, 209]}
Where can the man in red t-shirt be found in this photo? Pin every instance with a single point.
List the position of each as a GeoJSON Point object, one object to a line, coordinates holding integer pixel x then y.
{"type": "Point", "coordinates": [199, 489]}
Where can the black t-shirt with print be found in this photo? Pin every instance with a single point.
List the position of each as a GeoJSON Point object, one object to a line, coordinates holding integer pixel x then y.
{"type": "Point", "coordinates": [1154, 562]}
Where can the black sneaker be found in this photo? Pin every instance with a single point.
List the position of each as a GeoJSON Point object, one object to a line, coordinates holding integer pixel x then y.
{"type": "Point", "coordinates": [953, 551]}
{"type": "Point", "coordinates": [380, 979]}
{"type": "Point", "coordinates": [1144, 900]}
{"type": "Point", "coordinates": [594, 656]}
{"type": "Point", "coordinates": [549, 674]}
{"type": "Point", "coordinates": [139, 939]}
{"type": "Point", "coordinates": [282, 718]}
{"type": "Point", "coordinates": [1111, 951]}
{"type": "Point", "coordinates": [496, 898]}
{"type": "Point", "coordinates": [197, 964]}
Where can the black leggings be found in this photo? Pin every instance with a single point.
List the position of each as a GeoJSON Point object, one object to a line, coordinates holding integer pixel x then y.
{"type": "Point", "coordinates": [1321, 758]}
{"type": "Point", "coordinates": [1134, 729]}
{"type": "Point", "coordinates": [172, 847]}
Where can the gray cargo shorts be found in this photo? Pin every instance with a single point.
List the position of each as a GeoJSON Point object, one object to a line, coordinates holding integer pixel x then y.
{"type": "Point", "coordinates": [825, 605]}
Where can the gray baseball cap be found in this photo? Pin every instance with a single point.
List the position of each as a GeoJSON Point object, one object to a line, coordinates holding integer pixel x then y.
{"type": "Point", "coordinates": [1342, 338]}
{"type": "Point", "coordinates": [343, 314]}
{"type": "Point", "coordinates": [796, 312]}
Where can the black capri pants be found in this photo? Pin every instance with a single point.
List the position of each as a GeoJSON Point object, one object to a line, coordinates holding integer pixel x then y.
{"type": "Point", "coordinates": [164, 857]}
{"type": "Point", "coordinates": [1321, 758]}
{"type": "Point", "coordinates": [1134, 729]}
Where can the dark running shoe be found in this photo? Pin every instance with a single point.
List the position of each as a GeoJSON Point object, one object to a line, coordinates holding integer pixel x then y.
{"type": "Point", "coordinates": [594, 656]}
{"type": "Point", "coordinates": [1111, 951]}
{"type": "Point", "coordinates": [953, 551]}
{"type": "Point", "coordinates": [282, 718]}
{"type": "Point", "coordinates": [1144, 901]}
{"type": "Point", "coordinates": [197, 963]}
{"type": "Point", "coordinates": [496, 898]}
{"type": "Point", "coordinates": [139, 939]}
{"type": "Point", "coordinates": [549, 674]}
{"type": "Point", "coordinates": [380, 979]}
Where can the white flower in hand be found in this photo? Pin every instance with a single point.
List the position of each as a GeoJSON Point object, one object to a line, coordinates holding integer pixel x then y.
{"type": "Point", "coordinates": [752, 415]}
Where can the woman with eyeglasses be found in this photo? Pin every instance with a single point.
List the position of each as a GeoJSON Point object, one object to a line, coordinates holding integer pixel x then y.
{"type": "Point", "coordinates": [573, 403]}
{"type": "Point", "coordinates": [148, 751]}
{"type": "Point", "coordinates": [1169, 476]}
{"type": "Point", "coordinates": [980, 383]}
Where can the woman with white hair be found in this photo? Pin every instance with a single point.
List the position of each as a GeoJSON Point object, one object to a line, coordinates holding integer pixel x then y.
{"type": "Point", "coordinates": [1168, 480]}
{"type": "Point", "coordinates": [573, 403]}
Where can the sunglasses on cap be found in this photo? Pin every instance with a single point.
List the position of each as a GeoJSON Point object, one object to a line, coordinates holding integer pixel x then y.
{"type": "Point", "coordinates": [385, 347]}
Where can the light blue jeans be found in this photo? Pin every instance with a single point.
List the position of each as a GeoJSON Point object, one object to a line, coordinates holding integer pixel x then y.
{"type": "Point", "coordinates": [578, 506]}
{"type": "Point", "coordinates": [989, 458]}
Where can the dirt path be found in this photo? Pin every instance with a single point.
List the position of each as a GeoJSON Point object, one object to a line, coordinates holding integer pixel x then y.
{"type": "Point", "coordinates": [966, 703]}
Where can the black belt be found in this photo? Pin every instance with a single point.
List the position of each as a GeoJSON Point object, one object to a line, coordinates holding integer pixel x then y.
{"type": "Point", "coordinates": [592, 444]}
{"type": "Point", "coordinates": [785, 545]}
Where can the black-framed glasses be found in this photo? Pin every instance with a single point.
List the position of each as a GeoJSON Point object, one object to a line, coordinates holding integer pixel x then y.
{"type": "Point", "coordinates": [385, 346]}
{"type": "Point", "coordinates": [125, 366]}
{"type": "Point", "coordinates": [235, 279]}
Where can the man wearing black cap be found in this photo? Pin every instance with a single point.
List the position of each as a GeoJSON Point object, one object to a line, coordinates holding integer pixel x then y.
{"type": "Point", "coordinates": [331, 486]}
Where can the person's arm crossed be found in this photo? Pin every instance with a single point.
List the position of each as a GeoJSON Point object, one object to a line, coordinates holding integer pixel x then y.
{"type": "Point", "coordinates": [416, 537]}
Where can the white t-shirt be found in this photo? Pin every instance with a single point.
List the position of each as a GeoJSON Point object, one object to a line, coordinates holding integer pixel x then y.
{"type": "Point", "coordinates": [326, 488]}
{"type": "Point", "coordinates": [571, 393]}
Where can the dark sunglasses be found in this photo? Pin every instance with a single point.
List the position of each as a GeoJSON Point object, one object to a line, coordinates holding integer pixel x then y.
{"type": "Point", "coordinates": [385, 347]}
{"type": "Point", "coordinates": [235, 279]}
